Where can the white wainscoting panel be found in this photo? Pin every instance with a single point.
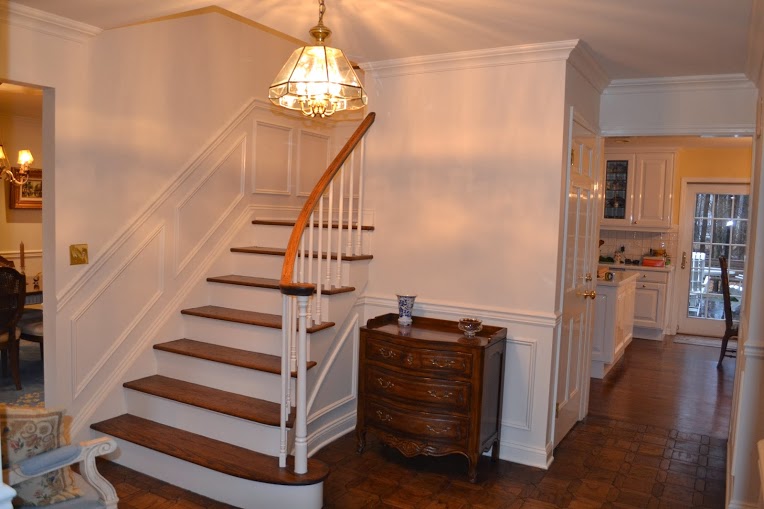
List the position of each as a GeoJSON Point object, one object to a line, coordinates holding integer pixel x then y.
{"type": "Point", "coordinates": [197, 216]}
{"type": "Point", "coordinates": [519, 366]}
{"type": "Point", "coordinates": [314, 158]}
{"type": "Point", "coordinates": [272, 158]}
{"type": "Point", "coordinates": [125, 298]}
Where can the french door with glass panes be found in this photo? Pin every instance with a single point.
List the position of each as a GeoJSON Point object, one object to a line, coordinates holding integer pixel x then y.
{"type": "Point", "coordinates": [714, 223]}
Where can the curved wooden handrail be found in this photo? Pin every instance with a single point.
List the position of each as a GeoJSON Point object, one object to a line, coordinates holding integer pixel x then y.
{"type": "Point", "coordinates": [287, 271]}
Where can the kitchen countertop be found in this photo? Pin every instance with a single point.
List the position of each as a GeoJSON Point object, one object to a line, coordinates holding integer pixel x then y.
{"type": "Point", "coordinates": [623, 266]}
{"type": "Point", "coordinates": [619, 277]}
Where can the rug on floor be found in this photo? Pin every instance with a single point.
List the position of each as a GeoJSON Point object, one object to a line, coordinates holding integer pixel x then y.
{"type": "Point", "coordinates": [704, 341]}
{"type": "Point", "coordinates": [32, 391]}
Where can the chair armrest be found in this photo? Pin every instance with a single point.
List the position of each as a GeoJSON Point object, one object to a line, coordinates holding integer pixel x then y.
{"type": "Point", "coordinates": [85, 454]}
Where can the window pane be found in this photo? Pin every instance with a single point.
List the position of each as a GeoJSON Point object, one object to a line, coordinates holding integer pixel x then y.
{"type": "Point", "coordinates": [741, 206]}
{"type": "Point", "coordinates": [723, 205]}
{"type": "Point", "coordinates": [702, 232]}
{"type": "Point", "coordinates": [703, 205]}
{"type": "Point", "coordinates": [722, 231]}
{"type": "Point", "coordinates": [739, 232]}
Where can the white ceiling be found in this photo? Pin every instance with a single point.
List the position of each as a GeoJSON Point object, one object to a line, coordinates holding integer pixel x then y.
{"type": "Point", "coordinates": [629, 38]}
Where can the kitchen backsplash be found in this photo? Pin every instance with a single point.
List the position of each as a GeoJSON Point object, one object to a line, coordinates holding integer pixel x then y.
{"type": "Point", "coordinates": [638, 244]}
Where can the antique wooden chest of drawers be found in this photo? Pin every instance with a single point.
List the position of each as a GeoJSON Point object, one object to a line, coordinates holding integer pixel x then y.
{"type": "Point", "coordinates": [427, 389]}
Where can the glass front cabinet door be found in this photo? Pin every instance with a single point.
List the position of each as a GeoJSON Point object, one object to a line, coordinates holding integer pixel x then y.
{"type": "Point", "coordinates": [618, 182]}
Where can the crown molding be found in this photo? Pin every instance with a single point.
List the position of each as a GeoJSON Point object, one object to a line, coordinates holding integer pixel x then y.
{"type": "Point", "coordinates": [714, 82]}
{"type": "Point", "coordinates": [47, 23]}
{"type": "Point", "coordinates": [583, 60]}
{"type": "Point", "coordinates": [510, 55]}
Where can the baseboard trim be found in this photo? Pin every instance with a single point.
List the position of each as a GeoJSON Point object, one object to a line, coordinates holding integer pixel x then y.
{"type": "Point", "coordinates": [330, 432]}
{"type": "Point", "coordinates": [521, 453]}
{"type": "Point", "coordinates": [737, 504]}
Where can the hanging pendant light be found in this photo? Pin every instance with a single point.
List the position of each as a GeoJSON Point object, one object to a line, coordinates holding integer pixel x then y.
{"type": "Point", "coordinates": [318, 80]}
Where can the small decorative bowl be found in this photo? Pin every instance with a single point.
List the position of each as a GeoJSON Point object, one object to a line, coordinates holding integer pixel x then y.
{"type": "Point", "coordinates": [470, 326]}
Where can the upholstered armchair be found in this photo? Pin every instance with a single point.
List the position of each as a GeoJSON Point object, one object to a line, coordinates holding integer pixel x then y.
{"type": "Point", "coordinates": [37, 461]}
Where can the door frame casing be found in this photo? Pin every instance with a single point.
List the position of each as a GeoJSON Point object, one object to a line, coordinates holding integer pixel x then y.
{"type": "Point", "coordinates": [676, 305]}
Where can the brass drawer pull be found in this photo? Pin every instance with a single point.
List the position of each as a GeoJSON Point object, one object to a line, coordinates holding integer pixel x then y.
{"type": "Point", "coordinates": [438, 431]}
{"type": "Point", "coordinates": [384, 417]}
{"type": "Point", "coordinates": [444, 395]}
{"type": "Point", "coordinates": [387, 353]}
{"type": "Point", "coordinates": [446, 363]}
{"type": "Point", "coordinates": [385, 384]}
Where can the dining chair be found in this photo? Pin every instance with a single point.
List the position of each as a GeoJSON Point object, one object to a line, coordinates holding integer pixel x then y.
{"type": "Point", "coordinates": [730, 330]}
{"type": "Point", "coordinates": [12, 294]}
{"type": "Point", "coordinates": [5, 262]}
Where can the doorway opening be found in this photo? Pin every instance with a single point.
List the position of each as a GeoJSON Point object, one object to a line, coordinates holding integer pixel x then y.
{"type": "Point", "coordinates": [714, 224]}
{"type": "Point", "coordinates": [21, 233]}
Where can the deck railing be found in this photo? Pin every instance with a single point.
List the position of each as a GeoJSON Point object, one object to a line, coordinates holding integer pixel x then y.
{"type": "Point", "coordinates": [302, 286]}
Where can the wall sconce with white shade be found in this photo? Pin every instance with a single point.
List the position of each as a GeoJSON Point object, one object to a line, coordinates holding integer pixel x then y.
{"type": "Point", "coordinates": [318, 80]}
{"type": "Point", "coordinates": [25, 159]}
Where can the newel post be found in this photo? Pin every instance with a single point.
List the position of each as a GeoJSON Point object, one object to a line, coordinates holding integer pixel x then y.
{"type": "Point", "coordinates": [301, 417]}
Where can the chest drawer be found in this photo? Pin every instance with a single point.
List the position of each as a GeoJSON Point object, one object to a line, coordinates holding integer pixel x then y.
{"type": "Point", "coordinates": [438, 362]}
{"type": "Point", "coordinates": [429, 426]}
{"type": "Point", "coordinates": [428, 392]}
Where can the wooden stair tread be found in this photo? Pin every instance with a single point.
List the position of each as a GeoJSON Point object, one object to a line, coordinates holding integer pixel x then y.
{"type": "Point", "coordinates": [229, 403]}
{"type": "Point", "coordinates": [265, 282]}
{"type": "Point", "coordinates": [276, 251]}
{"type": "Point", "coordinates": [209, 453]}
{"type": "Point", "coordinates": [290, 222]}
{"type": "Point", "coordinates": [248, 317]}
{"type": "Point", "coordinates": [226, 355]}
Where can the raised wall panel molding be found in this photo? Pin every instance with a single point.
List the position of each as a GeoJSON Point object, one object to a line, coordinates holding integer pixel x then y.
{"type": "Point", "coordinates": [110, 296]}
{"type": "Point", "coordinates": [284, 166]}
{"type": "Point", "coordinates": [303, 157]}
{"type": "Point", "coordinates": [521, 357]}
{"type": "Point", "coordinates": [350, 331]}
{"type": "Point", "coordinates": [522, 54]}
{"type": "Point", "coordinates": [113, 246]}
{"type": "Point", "coordinates": [47, 23]}
{"type": "Point", "coordinates": [200, 194]}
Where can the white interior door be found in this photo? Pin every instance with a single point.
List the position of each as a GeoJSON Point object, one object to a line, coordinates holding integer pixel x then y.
{"type": "Point", "coordinates": [713, 223]}
{"type": "Point", "coordinates": [578, 286]}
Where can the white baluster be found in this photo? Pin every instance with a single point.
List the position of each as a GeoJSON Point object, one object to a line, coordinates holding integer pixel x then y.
{"type": "Point", "coordinates": [358, 245]}
{"type": "Point", "coordinates": [317, 281]}
{"type": "Point", "coordinates": [301, 420]}
{"type": "Point", "coordinates": [349, 247]}
{"type": "Point", "coordinates": [311, 318]}
{"type": "Point", "coordinates": [328, 277]}
{"type": "Point", "coordinates": [341, 176]}
{"type": "Point", "coordinates": [285, 326]}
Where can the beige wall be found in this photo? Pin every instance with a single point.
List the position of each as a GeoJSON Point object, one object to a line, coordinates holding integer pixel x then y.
{"type": "Point", "coordinates": [733, 162]}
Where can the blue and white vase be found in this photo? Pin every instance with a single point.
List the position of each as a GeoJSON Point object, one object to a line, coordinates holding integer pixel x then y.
{"type": "Point", "coordinates": [405, 307]}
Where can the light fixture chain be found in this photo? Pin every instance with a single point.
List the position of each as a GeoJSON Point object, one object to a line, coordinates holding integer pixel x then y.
{"type": "Point", "coordinates": [321, 11]}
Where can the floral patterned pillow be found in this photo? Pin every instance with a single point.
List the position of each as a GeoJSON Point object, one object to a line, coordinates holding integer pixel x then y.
{"type": "Point", "coordinates": [27, 432]}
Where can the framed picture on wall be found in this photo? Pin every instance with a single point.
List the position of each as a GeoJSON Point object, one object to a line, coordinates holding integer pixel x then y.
{"type": "Point", "coordinates": [29, 195]}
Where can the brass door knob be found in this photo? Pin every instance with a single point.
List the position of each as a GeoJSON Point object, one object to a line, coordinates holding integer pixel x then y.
{"type": "Point", "coordinates": [590, 293]}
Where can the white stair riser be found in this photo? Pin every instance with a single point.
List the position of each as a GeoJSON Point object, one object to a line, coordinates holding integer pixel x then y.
{"type": "Point", "coordinates": [248, 382]}
{"type": "Point", "coordinates": [260, 265]}
{"type": "Point", "coordinates": [263, 300]}
{"type": "Point", "coordinates": [269, 235]}
{"type": "Point", "coordinates": [209, 483]}
{"type": "Point", "coordinates": [240, 432]}
{"type": "Point", "coordinates": [232, 334]}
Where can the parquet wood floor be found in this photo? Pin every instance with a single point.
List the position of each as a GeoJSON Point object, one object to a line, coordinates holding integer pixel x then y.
{"type": "Point", "coordinates": [655, 438]}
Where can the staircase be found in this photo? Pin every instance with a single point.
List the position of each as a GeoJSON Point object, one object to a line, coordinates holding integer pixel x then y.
{"type": "Point", "coordinates": [218, 418]}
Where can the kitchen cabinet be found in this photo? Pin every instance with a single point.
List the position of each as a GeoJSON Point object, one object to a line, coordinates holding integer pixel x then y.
{"type": "Point", "coordinates": [427, 389]}
{"type": "Point", "coordinates": [613, 321]}
{"type": "Point", "coordinates": [652, 298]}
{"type": "Point", "coordinates": [638, 189]}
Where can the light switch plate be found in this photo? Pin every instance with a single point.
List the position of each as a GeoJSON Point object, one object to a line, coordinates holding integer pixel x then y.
{"type": "Point", "coordinates": [78, 254]}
